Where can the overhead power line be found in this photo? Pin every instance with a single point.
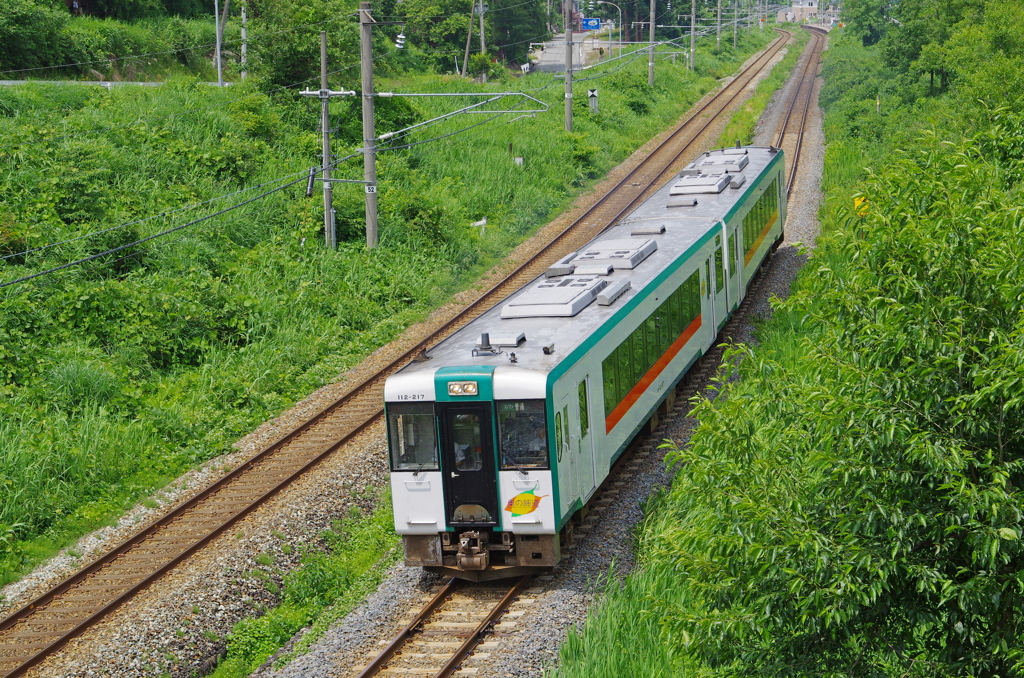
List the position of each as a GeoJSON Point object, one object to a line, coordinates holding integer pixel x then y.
{"type": "Point", "coordinates": [168, 231]}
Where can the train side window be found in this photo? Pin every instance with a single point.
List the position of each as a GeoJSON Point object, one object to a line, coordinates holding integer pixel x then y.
{"type": "Point", "coordinates": [522, 434]}
{"type": "Point", "coordinates": [584, 409]}
{"type": "Point", "coordinates": [412, 436]}
{"type": "Point", "coordinates": [608, 379]}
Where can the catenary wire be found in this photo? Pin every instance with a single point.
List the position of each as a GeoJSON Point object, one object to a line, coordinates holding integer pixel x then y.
{"type": "Point", "coordinates": [174, 229]}
{"type": "Point", "coordinates": [155, 216]}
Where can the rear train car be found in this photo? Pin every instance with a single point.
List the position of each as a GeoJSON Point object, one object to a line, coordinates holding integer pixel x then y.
{"type": "Point", "coordinates": [507, 429]}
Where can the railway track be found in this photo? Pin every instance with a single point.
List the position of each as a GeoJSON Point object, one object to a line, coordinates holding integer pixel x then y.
{"type": "Point", "coordinates": [791, 132]}
{"type": "Point", "coordinates": [423, 646]}
{"type": "Point", "coordinates": [47, 623]}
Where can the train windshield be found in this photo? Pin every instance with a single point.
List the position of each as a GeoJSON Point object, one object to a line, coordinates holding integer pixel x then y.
{"type": "Point", "coordinates": [412, 436]}
{"type": "Point", "coordinates": [523, 434]}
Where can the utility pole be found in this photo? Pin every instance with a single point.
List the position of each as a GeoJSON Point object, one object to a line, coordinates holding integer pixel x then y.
{"type": "Point", "coordinates": [469, 38]}
{"type": "Point", "coordinates": [568, 64]}
{"type": "Point", "coordinates": [216, 28]}
{"type": "Point", "coordinates": [245, 44]}
{"type": "Point", "coordinates": [735, 22]}
{"type": "Point", "coordinates": [650, 53]}
{"type": "Point", "coordinates": [718, 33]}
{"type": "Point", "coordinates": [693, 35]}
{"type": "Point", "coordinates": [325, 94]}
{"type": "Point", "coordinates": [483, 46]}
{"type": "Point", "coordinates": [369, 137]}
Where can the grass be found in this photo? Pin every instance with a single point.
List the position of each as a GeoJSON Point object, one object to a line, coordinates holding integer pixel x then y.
{"type": "Point", "coordinates": [356, 554]}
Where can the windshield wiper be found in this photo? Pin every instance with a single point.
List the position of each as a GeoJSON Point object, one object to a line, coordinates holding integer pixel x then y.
{"type": "Point", "coordinates": [512, 460]}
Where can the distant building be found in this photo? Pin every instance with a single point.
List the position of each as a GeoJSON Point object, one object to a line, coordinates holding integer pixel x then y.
{"type": "Point", "coordinates": [802, 10]}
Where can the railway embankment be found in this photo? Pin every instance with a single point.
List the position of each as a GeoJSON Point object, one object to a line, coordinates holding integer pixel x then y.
{"type": "Point", "coordinates": [848, 499]}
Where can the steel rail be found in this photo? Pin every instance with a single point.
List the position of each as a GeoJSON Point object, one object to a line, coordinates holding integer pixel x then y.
{"type": "Point", "coordinates": [92, 614]}
{"type": "Point", "coordinates": [796, 96]}
{"type": "Point", "coordinates": [410, 629]}
{"type": "Point", "coordinates": [477, 636]}
{"type": "Point", "coordinates": [812, 74]}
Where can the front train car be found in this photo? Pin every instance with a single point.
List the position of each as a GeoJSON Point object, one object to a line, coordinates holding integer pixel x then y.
{"type": "Point", "coordinates": [501, 437]}
{"type": "Point", "coordinates": [471, 481]}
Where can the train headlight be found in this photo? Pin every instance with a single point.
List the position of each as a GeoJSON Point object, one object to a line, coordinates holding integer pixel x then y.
{"type": "Point", "coordinates": [462, 388]}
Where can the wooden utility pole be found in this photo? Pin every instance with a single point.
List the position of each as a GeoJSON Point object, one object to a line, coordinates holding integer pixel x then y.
{"type": "Point", "coordinates": [483, 46]}
{"type": "Point", "coordinates": [469, 38]}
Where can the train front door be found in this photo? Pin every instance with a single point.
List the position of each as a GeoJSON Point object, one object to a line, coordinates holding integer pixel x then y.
{"type": "Point", "coordinates": [565, 440]}
{"type": "Point", "coordinates": [583, 439]}
{"type": "Point", "coordinates": [707, 306]}
{"type": "Point", "coordinates": [467, 449]}
{"type": "Point", "coordinates": [721, 292]}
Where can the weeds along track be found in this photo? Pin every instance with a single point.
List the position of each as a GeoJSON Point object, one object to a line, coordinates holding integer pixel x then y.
{"type": "Point", "coordinates": [791, 132]}
{"type": "Point", "coordinates": [45, 624]}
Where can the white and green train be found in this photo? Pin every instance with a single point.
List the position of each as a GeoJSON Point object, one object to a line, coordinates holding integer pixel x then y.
{"type": "Point", "coordinates": [505, 433]}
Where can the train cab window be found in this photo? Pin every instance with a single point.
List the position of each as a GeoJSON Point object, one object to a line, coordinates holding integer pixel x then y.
{"type": "Point", "coordinates": [412, 436]}
{"type": "Point", "coordinates": [467, 442]}
{"type": "Point", "coordinates": [523, 434]}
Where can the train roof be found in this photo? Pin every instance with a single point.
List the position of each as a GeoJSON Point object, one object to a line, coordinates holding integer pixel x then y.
{"type": "Point", "coordinates": [559, 313]}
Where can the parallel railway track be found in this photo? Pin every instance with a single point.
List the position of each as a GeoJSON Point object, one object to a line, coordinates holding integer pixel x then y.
{"type": "Point", "coordinates": [791, 133]}
{"type": "Point", "coordinates": [47, 623]}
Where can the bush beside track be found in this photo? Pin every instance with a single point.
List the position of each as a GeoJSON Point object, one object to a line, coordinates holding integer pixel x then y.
{"type": "Point", "coordinates": [851, 506]}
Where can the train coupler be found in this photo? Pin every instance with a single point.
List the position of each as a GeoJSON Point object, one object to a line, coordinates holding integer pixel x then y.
{"type": "Point", "coordinates": [473, 553]}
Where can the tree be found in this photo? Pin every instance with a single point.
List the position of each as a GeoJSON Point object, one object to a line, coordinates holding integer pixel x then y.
{"type": "Point", "coordinates": [514, 25]}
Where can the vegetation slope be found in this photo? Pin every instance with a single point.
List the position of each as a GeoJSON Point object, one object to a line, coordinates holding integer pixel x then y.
{"type": "Point", "coordinates": [852, 504]}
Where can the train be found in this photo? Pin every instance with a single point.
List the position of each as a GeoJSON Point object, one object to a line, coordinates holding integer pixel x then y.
{"type": "Point", "coordinates": [500, 435]}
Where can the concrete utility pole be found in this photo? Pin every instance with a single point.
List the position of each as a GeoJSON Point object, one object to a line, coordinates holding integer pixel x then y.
{"type": "Point", "coordinates": [650, 53]}
{"type": "Point", "coordinates": [330, 236]}
{"type": "Point", "coordinates": [568, 64]}
{"type": "Point", "coordinates": [245, 44]}
{"type": "Point", "coordinates": [325, 94]}
{"type": "Point", "coordinates": [735, 22]}
{"type": "Point", "coordinates": [693, 35]}
{"type": "Point", "coordinates": [718, 32]}
{"type": "Point", "coordinates": [483, 46]}
{"type": "Point", "coordinates": [216, 28]}
{"type": "Point", "coordinates": [369, 137]}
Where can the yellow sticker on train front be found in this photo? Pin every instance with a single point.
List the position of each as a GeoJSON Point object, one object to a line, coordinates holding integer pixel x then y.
{"type": "Point", "coordinates": [523, 503]}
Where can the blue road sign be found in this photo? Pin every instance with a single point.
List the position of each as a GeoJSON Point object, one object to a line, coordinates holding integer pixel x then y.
{"type": "Point", "coordinates": [591, 25]}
